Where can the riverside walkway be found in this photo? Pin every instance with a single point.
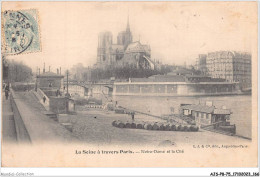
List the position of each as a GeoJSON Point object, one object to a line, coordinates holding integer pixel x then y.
{"type": "Point", "coordinates": [8, 124]}
{"type": "Point", "coordinates": [28, 123]}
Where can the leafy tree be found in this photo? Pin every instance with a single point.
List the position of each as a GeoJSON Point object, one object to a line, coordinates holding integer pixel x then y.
{"type": "Point", "coordinates": [125, 72]}
{"type": "Point", "coordinates": [18, 72]}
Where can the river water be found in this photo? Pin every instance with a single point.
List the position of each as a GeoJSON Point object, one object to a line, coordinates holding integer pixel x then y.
{"type": "Point", "coordinates": [240, 106]}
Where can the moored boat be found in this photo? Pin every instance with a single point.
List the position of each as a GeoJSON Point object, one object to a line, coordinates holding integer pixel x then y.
{"type": "Point", "coordinates": [209, 117]}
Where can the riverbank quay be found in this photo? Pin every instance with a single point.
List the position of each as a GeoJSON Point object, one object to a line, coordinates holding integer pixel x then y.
{"type": "Point", "coordinates": [94, 126]}
{"type": "Point", "coordinates": [92, 130]}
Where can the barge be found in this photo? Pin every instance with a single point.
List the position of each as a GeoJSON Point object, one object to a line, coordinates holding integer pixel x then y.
{"type": "Point", "coordinates": [208, 117]}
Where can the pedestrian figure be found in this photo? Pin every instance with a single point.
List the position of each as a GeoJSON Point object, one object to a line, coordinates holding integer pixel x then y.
{"type": "Point", "coordinates": [133, 116]}
{"type": "Point", "coordinates": [7, 87]}
{"type": "Point", "coordinates": [6, 94]}
{"type": "Point", "coordinates": [44, 99]}
{"type": "Point", "coordinates": [6, 91]}
{"type": "Point", "coordinates": [57, 93]}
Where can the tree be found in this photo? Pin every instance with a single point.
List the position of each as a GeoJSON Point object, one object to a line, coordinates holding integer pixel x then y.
{"type": "Point", "coordinates": [125, 72]}
{"type": "Point", "coordinates": [18, 72]}
{"type": "Point", "coordinates": [4, 68]}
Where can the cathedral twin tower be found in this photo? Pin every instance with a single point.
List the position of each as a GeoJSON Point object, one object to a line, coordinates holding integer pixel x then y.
{"type": "Point", "coordinates": [124, 52]}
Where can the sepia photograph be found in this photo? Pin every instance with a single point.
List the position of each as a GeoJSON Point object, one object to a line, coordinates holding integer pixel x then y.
{"type": "Point", "coordinates": [129, 84]}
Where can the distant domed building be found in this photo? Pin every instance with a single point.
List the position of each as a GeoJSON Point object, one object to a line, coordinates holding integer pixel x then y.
{"type": "Point", "coordinates": [124, 53]}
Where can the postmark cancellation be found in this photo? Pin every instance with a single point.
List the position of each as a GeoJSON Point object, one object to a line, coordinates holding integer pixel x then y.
{"type": "Point", "coordinates": [20, 32]}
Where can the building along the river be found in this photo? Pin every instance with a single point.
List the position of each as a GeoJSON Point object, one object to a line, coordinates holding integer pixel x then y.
{"type": "Point", "coordinates": [50, 92]}
{"type": "Point", "coordinates": [231, 66]}
{"type": "Point", "coordinates": [176, 85]}
{"type": "Point", "coordinates": [50, 80]}
{"type": "Point", "coordinates": [201, 63]}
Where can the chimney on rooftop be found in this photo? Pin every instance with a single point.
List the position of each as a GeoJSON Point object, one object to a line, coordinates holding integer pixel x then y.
{"type": "Point", "coordinates": [57, 70]}
{"type": "Point", "coordinates": [43, 67]}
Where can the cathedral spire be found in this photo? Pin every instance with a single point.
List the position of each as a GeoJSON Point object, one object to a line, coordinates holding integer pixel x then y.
{"type": "Point", "coordinates": [128, 26]}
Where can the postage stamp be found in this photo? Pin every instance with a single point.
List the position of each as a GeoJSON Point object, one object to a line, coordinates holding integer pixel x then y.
{"type": "Point", "coordinates": [21, 32]}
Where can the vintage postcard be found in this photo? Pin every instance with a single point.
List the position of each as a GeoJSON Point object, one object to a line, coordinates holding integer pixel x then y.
{"type": "Point", "coordinates": [129, 84]}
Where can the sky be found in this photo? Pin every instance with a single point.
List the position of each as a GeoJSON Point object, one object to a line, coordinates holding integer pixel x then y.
{"type": "Point", "coordinates": [176, 31]}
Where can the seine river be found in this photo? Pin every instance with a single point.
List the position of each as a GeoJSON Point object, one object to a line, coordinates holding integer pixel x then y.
{"type": "Point", "coordinates": [239, 105]}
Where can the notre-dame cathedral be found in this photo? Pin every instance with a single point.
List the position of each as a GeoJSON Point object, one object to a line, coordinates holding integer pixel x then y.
{"type": "Point", "coordinates": [124, 53]}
